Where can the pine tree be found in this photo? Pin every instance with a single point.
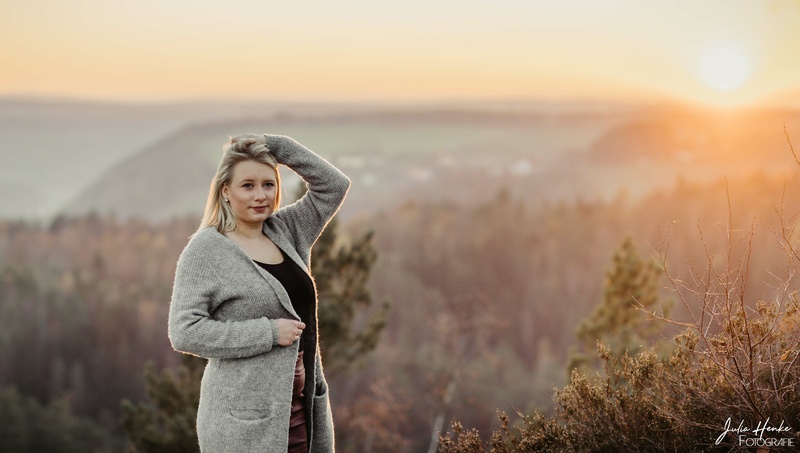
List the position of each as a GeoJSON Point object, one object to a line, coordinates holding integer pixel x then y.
{"type": "Point", "coordinates": [167, 422]}
{"type": "Point", "coordinates": [347, 328]}
{"type": "Point", "coordinates": [26, 425]}
{"type": "Point", "coordinates": [620, 321]}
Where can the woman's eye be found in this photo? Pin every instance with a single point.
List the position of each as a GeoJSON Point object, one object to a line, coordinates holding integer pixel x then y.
{"type": "Point", "coordinates": [247, 185]}
{"type": "Point", "coordinates": [268, 184]}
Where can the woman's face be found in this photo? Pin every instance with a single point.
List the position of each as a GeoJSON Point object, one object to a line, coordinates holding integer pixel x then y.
{"type": "Point", "coordinates": [252, 192]}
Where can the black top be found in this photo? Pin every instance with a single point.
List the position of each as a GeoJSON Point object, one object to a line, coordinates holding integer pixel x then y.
{"type": "Point", "coordinates": [297, 284]}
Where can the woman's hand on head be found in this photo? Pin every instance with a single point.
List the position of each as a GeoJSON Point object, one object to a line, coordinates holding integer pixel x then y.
{"type": "Point", "coordinates": [289, 331]}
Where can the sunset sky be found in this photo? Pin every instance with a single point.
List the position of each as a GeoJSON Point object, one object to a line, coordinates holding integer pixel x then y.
{"type": "Point", "coordinates": [724, 52]}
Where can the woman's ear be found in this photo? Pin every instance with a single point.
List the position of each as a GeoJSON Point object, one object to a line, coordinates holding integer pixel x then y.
{"type": "Point", "coordinates": [225, 191]}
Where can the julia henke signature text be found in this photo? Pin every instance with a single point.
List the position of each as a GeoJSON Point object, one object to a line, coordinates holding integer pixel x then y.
{"type": "Point", "coordinates": [764, 434]}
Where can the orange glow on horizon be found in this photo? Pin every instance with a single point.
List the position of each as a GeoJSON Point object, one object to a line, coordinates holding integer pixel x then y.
{"type": "Point", "coordinates": [365, 52]}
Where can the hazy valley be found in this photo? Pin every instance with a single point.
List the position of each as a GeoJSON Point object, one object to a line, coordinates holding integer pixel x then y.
{"type": "Point", "coordinates": [156, 161]}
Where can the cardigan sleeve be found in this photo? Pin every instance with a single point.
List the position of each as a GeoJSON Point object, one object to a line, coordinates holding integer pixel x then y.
{"type": "Point", "coordinates": [327, 188]}
{"type": "Point", "coordinates": [192, 330]}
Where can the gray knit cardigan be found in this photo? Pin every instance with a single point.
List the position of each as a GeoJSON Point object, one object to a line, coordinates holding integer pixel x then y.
{"type": "Point", "coordinates": [224, 307]}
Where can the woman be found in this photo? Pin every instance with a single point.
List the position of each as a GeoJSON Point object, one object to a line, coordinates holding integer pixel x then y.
{"type": "Point", "coordinates": [243, 298]}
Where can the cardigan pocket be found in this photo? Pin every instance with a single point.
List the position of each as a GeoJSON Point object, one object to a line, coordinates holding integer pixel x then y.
{"type": "Point", "coordinates": [251, 414]}
{"type": "Point", "coordinates": [229, 433]}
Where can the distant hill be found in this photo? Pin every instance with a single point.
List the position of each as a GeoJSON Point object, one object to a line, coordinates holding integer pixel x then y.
{"type": "Point", "coordinates": [731, 139]}
{"type": "Point", "coordinates": [156, 182]}
{"type": "Point", "coordinates": [53, 149]}
{"type": "Point", "coordinates": [389, 155]}
{"type": "Point", "coordinates": [394, 156]}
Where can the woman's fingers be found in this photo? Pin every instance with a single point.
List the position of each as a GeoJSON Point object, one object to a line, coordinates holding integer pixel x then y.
{"type": "Point", "coordinates": [289, 331]}
{"type": "Point", "coordinates": [300, 327]}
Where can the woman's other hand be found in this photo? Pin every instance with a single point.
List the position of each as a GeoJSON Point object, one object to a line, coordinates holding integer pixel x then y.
{"type": "Point", "coordinates": [289, 331]}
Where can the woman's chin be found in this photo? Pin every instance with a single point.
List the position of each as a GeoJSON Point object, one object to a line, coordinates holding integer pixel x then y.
{"type": "Point", "coordinates": [253, 219]}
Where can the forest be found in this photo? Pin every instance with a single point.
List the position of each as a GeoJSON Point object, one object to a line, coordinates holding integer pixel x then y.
{"type": "Point", "coordinates": [468, 308]}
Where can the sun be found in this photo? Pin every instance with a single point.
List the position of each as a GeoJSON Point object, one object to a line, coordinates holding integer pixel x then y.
{"type": "Point", "coordinates": [724, 66]}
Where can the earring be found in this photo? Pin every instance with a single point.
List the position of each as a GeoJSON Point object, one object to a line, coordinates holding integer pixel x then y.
{"type": "Point", "coordinates": [227, 201]}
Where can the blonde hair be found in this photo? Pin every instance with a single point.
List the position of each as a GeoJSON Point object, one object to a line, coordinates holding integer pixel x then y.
{"type": "Point", "coordinates": [218, 213]}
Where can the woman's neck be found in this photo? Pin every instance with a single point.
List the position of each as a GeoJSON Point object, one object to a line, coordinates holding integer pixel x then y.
{"type": "Point", "coordinates": [248, 231]}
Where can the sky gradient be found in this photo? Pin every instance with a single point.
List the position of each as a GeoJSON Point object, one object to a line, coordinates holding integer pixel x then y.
{"type": "Point", "coordinates": [628, 51]}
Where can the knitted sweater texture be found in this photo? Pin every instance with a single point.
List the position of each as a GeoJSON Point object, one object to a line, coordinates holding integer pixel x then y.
{"type": "Point", "coordinates": [224, 307]}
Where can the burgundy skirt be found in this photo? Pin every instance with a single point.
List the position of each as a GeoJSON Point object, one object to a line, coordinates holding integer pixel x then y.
{"type": "Point", "coordinates": [298, 432]}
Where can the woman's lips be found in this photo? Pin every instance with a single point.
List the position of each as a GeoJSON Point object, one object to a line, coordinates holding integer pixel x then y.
{"type": "Point", "coordinates": [259, 208]}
